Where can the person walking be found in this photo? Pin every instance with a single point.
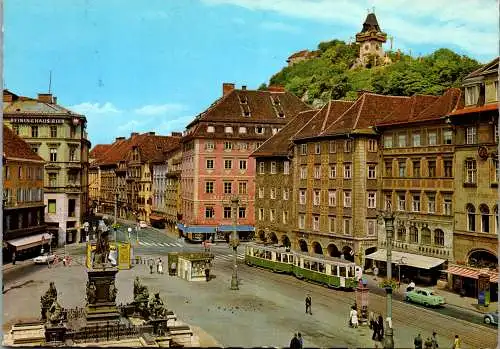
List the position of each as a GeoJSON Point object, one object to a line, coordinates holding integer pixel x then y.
{"type": "Point", "coordinates": [428, 343]}
{"type": "Point", "coordinates": [371, 319]}
{"type": "Point", "coordinates": [457, 343]}
{"type": "Point", "coordinates": [353, 317]}
{"type": "Point", "coordinates": [160, 267]}
{"type": "Point", "coordinates": [411, 286]}
{"type": "Point", "coordinates": [418, 342]}
{"type": "Point", "coordinates": [295, 343]}
{"type": "Point", "coordinates": [301, 340]}
{"type": "Point", "coordinates": [434, 340]}
{"type": "Point", "coordinates": [375, 273]}
{"type": "Point", "coordinates": [13, 258]}
{"type": "Point", "coordinates": [308, 305]}
{"type": "Point", "coordinates": [207, 273]}
{"type": "Point", "coordinates": [151, 267]}
{"type": "Point", "coordinates": [375, 330]}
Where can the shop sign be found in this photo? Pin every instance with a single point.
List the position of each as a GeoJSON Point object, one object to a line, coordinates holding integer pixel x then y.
{"type": "Point", "coordinates": [36, 121]}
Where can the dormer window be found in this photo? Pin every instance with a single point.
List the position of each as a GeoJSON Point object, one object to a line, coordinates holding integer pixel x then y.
{"type": "Point", "coordinates": [242, 130]}
{"type": "Point", "coordinates": [471, 95]}
{"type": "Point", "coordinates": [246, 113]}
{"type": "Point", "coordinates": [281, 115]}
{"type": "Point", "coordinates": [228, 129]}
{"type": "Point", "coordinates": [259, 130]}
{"type": "Point", "coordinates": [275, 130]}
{"type": "Point", "coordinates": [243, 99]}
{"type": "Point", "coordinates": [210, 129]}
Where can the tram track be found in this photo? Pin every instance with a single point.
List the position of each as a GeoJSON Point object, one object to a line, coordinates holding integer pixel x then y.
{"type": "Point", "coordinates": [474, 335]}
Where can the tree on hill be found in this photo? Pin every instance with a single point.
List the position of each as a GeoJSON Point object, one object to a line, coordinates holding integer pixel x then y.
{"type": "Point", "coordinates": [329, 76]}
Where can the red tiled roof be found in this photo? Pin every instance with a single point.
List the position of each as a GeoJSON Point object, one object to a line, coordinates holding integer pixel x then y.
{"type": "Point", "coordinates": [323, 119]}
{"type": "Point", "coordinates": [264, 107]}
{"type": "Point", "coordinates": [483, 108]}
{"type": "Point", "coordinates": [152, 148]}
{"type": "Point", "coordinates": [442, 106]}
{"type": "Point", "coordinates": [408, 110]}
{"type": "Point", "coordinates": [15, 147]}
{"type": "Point", "coordinates": [99, 150]}
{"type": "Point", "coordinates": [278, 144]}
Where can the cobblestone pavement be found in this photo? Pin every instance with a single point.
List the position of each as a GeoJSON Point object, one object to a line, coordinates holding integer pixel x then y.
{"type": "Point", "coordinates": [266, 311]}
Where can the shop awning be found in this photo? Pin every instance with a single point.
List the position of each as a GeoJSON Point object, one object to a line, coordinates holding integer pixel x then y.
{"type": "Point", "coordinates": [199, 229]}
{"type": "Point", "coordinates": [409, 259]}
{"type": "Point", "coordinates": [228, 228]}
{"type": "Point", "coordinates": [30, 241]}
{"type": "Point", "coordinates": [471, 273]}
{"type": "Point", "coordinates": [156, 217]}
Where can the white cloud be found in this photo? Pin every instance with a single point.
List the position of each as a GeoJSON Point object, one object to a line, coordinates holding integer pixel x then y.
{"type": "Point", "coordinates": [471, 25]}
{"type": "Point", "coordinates": [279, 26]}
{"type": "Point", "coordinates": [95, 108]}
{"type": "Point", "coordinates": [159, 109]}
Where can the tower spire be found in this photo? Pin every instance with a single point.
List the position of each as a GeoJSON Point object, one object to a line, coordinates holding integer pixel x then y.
{"type": "Point", "coordinates": [50, 80]}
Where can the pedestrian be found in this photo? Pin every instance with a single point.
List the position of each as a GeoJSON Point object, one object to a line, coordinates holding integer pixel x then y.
{"type": "Point", "coordinates": [411, 286]}
{"type": "Point", "coordinates": [160, 267]}
{"type": "Point", "coordinates": [151, 267]}
{"type": "Point", "coordinates": [174, 269]}
{"type": "Point", "coordinates": [418, 342]}
{"type": "Point", "coordinates": [207, 273]}
{"type": "Point", "coordinates": [13, 258]}
{"type": "Point", "coordinates": [353, 317]}
{"type": "Point", "coordinates": [375, 272]}
{"type": "Point", "coordinates": [457, 343]}
{"type": "Point", "coordinates": [295, 343]}
{"type": "Point", "coordinates": [370, 320]}
{"type": "Point", "coordinates": [434, 340]}
{"type": "Point", "coordinates": [380, 327]}
{"type": "Point", "coordinates": [428, 343]}
{"type": "Point", "coordinates": [301, 340]}
{"type": "Point", "coordinates": [308, 305]}
{"type": "Point", "coordinates": [64, 260]}
{"type": "Point", "coordinates": [375, 330]}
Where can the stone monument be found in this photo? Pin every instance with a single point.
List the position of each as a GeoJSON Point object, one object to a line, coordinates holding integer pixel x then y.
{"type": "Point", "coordinates": [101, 289]}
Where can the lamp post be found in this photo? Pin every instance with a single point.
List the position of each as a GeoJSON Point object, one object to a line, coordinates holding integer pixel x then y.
{"type": "Point", "coordinates": [388, 218]}
{"type": "Point", "coordinates": [86, 228]}
{"type": "Point", "coordinates": [94, 228]}
{"type": "Point", "coordinates": [234, 243]}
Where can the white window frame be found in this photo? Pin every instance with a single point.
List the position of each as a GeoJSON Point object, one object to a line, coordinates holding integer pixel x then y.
{"type": "Point", "coordinates": [415, 202]}
{"type": "Point", "coordinates": [347, 171]}
{"type": "Point", "coordinates": [228, 129]}
{"type": "Point", "coordinates": [261, 167]}
{"type": "Point", "coordinates": [431, 203]}
{"type": "Point", "coordinates": [286, 167]}
{"type": "Point", "coordinates": [210, 129]}
{"type": "Point", "coordinates": [332, 147]}
{"type": "Point", "coordinates": [317, 172]}
{"type": "Point", "coordinates": [416, 139]}
{"type": "Point", "coordinates": [242, 130]}
{"type": "Point", "coordinates": [302, 221]}
{"type": "Point", "coordinates": [447, 205]}
{"type": "Point", "coordinates": [316, 223]}
{"type": "Point", "coordinates": [286, 194]}
{"type": "Point", "coordinates": [209, 145]}
{"type": "Point", "coordinates": [347, 199]}
{"type": "Point", "coordinates": [273, 193]}
{"type": "Point", "coordinates": [333, 171]}
{"type": "Point", "coordinates": [347, 226]}
{"type": "Point", "coordinates": [372, 200]}
{"type": "Point", "coordinates": [228, 145]}
{"type": "Point", "coordinates": [372, 171]}
{"type": "Point", "coordinates": [348, 145]}
{"type": "Point", "coordinates": [213, 164]}
{"type": "Point", "coordinates": [431, 138]}
{"type": "Point", "coordinates": [471, 95]}
{"type": "Point", "coordinates": [273, 167]}
{"type": "Point", "coordinates": [372, 145]}
{"type": "Point", "coordinates": [302, 196]}
{"type": "Point", "coordinates": [303, 149]}
{"type": "Point", "coordinates": [228, 162]}
{"type": "Point", "coordinates": [261, 192]}
{"type": "Point", "coordinates": [388, 141]}
{"type": "Point", "coordinates": [447, 135]}
{"type": "Point", "coordinates": [470, 135]}
{"type": "Point", "coordinates": [259, 130]}
{"type": "Point", "coordinates": [401, 201]}
{"type": "Point", "coordinates": [402, 141]}
{"type": "Point", "coordinates": [332, 198]}
{"type": "Point", "coordinates": [303, 172]}
{"type": "Point", "coordinates": [317, 197]}
{"type": "Point", "coordinates": [470, 171]}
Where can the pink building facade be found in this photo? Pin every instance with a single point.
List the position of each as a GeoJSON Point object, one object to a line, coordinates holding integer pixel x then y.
{"type": "Point", "coordinates": [216, 163]}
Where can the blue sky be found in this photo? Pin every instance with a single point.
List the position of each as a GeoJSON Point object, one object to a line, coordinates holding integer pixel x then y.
{"type": "Point", "coordinates": [153, 65]}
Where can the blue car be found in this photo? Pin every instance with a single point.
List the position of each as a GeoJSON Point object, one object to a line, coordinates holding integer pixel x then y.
{"type": "Point", "coordinates": [491, 318]}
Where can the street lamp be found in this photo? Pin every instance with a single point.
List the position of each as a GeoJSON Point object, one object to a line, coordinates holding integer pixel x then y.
{"type": "Point", "coordinates": [234, 243]}
{"type": "Point", "coordinates": [86, 228]}
{"type": "Point", "coordinates": [94, 228]}
{"type": "Point", "coordinates": [388, 218]}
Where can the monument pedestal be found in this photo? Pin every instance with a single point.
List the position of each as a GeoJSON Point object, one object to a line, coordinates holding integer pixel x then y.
{"type": "Point", "coordinates": [103, 309]}
{"type": "Point", "coordinates": [54, 334]}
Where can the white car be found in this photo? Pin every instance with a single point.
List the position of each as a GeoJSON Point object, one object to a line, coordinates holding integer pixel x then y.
{"type": "Point", "coordinates": [44, 259]}
{"type": "Point", "coordinates": [143, 224]}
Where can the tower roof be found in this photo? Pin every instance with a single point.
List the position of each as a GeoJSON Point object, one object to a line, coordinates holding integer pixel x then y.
{"type": "Point", "coordinates": [370, 23]}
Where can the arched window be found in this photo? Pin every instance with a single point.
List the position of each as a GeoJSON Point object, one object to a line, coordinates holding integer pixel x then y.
{"type": "Point", "coordinates": [401, 234]}
{"type": "Point", "coordinates": [485, 218]}
{"type": "Point", "coordinates": [438, 237]}
{"type": "Point", "coordinates": [471, 217]}
{"type": "Point", "coordinates": [425, 236]}
{"type": "Point", "coordinates": [413, 235]}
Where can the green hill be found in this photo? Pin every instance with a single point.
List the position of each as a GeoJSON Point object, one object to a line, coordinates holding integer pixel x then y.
{"type": "Point", "coordinates": [329, 76]}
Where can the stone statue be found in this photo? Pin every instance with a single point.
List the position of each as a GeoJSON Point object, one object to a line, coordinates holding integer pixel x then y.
{"type": "Point", "coordinates": [47, 299]}
{"type": "Point", "coordinates": [112, 292]}
{"type": "Point", "coordinates": [137, 286]}
{"type": "Point", "coordinates": [54, 314]}
{"type": "Point", "coordinates": [157, 309]}
{"type": "Point", "coordinates": [102, 249]}
{"type": "Point", "coordinates": [91, 293]}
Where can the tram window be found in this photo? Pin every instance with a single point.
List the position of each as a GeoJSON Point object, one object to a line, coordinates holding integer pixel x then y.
{"type": "Point", "coordinates": [290, 258]}
{"type": "Point", "coordinates": [268, 254]}
{"type": "Point", "coordinates": [278, 257]}
{"type": "Point", "coordinates": [307, 265]}
{"type": "Point", "coordinates": [314, 266]}
{"type": "Point", "coordinates": [342, 271]}
{"type": "Point", "coordinates": [285, 258]}
{"type": "Point", "coordinates": [321, 268]}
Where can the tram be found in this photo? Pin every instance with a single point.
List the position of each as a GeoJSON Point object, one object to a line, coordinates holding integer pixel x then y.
{"type": "Point", "coordinates": [328, 271]}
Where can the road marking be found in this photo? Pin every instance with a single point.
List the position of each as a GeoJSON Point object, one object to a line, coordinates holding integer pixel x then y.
{"type": "Point", "coordinates": [177, 244]}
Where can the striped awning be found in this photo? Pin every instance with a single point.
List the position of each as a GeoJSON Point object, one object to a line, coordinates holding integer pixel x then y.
{"type": "Point", "coordinates": [30, 241]}
{"type": "Point", "coordinates": [471, 273]}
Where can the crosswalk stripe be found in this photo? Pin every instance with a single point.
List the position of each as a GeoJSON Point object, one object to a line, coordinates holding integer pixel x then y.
{"type": "Point", "coordinates": [177, 244]}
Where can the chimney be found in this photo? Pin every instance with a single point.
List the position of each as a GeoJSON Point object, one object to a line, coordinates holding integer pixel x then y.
{"type": "Point", "coordinates": [55, 100]}
{"type": "Point", "coordinates": [276, 88]}
{"type": "Point", "coordinates": [119, 139]}
{"type": "Point", "coordinates": [133, 134]}
{"type": "Point", "coordinates": [176, 134]}
{"type": "Point", "coordinates": [226, 88]}
{"type": "Point", "coordinates": [244, 87]}
{"type": "Point", "coordinates": [151, 133]}
{"type": "Point", "coordinates": [45, 97]}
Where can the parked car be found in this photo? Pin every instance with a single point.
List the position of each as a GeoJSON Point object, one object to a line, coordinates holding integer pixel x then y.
{"type": "Point", "coordinates": [425, 297]}
{"type": "Point", "coordinates": [44, 259]}
{"type": "Point", "coordinates": [143, 224]}
{"type": "Point", "coordinates": [491, 318]}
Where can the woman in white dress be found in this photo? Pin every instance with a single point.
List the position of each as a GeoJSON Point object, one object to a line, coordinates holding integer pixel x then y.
{"type": "Point", "coordinates": [160, 267]}
{"type": "Point", "coordinates": [354, 317]}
